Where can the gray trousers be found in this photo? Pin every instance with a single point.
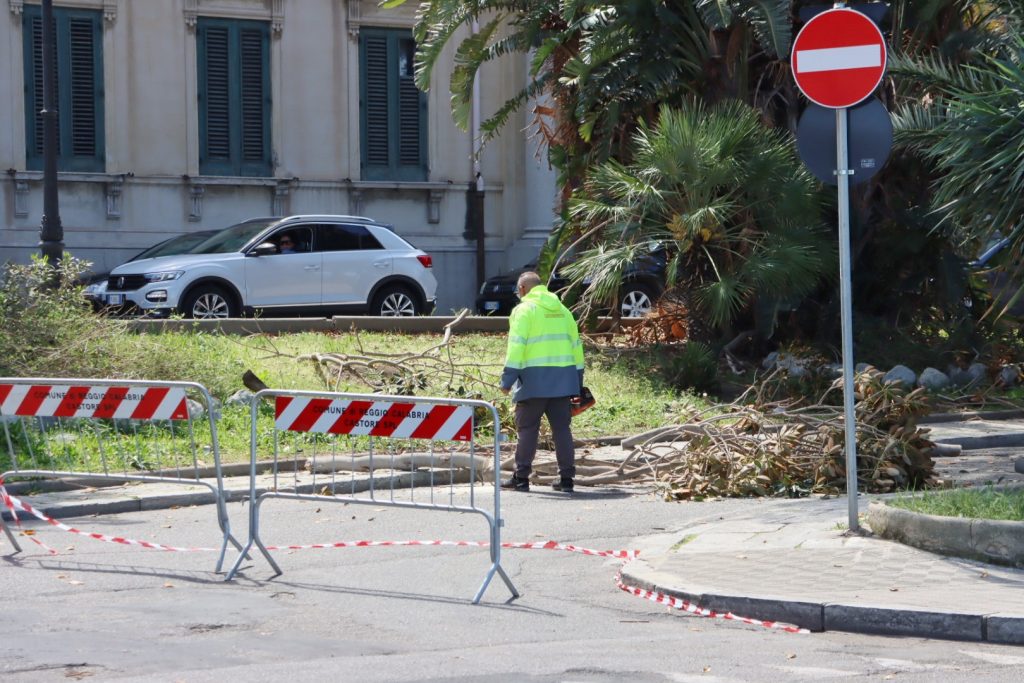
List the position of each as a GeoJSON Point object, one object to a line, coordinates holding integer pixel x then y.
{"type": "Point", "coordinates": [559, 414]}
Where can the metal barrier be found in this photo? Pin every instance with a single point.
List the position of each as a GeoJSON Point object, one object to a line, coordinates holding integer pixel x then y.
{"type": "Point", "coordinates": [366, 447]}
{"type": "Point", "coordinates": [111, 430]}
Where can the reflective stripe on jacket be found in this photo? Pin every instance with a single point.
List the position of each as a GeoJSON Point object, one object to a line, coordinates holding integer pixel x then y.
{"type": "Point", "coordinates": [545, 354]}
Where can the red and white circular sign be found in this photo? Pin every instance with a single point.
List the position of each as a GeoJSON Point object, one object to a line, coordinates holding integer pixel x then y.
{"type": "Point", "coordinates": [838, 58]}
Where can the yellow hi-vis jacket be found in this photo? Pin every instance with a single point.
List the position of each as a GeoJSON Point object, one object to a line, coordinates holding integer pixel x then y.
{"type": "Point", "coordinates": [545, 355]}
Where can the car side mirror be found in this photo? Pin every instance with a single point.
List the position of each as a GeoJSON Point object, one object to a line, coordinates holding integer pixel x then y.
{"type": "Point", "coordinates": [264, 249]}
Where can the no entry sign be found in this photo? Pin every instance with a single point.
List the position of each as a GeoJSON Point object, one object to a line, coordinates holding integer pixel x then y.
{"type": "Point", "coordinates": [838, 58]}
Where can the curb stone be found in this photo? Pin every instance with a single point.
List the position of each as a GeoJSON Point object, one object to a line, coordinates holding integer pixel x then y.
{"type": "Point", "coordinates": [989, 540]}
{"type": "Point", "coordinates": [869, 619]}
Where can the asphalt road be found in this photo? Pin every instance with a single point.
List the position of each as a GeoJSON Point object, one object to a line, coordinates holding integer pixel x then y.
{"type": "Point", "coordinates": [108, 612]}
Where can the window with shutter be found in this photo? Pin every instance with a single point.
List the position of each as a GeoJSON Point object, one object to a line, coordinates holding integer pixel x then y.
{"type": "Point", "coordinates": [78, 55]}
{"type": "Point", "coordinates": [234, 97]}
{"type": "Point", "coordinates": [392, 110]}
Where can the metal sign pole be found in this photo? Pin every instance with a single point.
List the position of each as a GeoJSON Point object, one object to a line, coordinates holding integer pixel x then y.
{"type": "Point", "coordinates": [843, 173]}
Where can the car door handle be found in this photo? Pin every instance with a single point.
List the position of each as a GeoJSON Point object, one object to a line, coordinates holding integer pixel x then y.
{"type": "Point", "coordinates": [380, 264]}
{"type": "Point", "coordinates": [311, 267]}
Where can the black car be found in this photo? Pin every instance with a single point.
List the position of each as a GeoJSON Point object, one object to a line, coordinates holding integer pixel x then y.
{"type": "Point", "coordinates": [999, 283]}
{"type": "Point", "coordinates": [643, 283]}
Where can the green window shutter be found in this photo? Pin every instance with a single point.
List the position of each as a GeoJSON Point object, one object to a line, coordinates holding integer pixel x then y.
{"type": "Point", "coordinates": [78, 55]}
{"type": "Point", "coordinates": [410, 109]}
{"type": "Point", "coordinates": [375, 82]}
{"type": "Point", "coordinates": [33, 32]}
{"type": "Point", "coordinates": [216, 105]}
{"type": "Point", "coordinates": [82, 42]}
{"type": "Point", "coordinates": [254, 114]}
{"type": "Point", "coordinates": [393, 118]}
{"type": "Point", "coordinates": [234, 97]}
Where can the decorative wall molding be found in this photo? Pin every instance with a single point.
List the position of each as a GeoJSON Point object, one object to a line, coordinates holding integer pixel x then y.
{"type": "Point", "coordinates": [434, 198]}
{"type": "Point", "coordinates": [277, 16]}
{"type": "Point", "coordinates": [109, 7]}
{"type": "Point", "coordinates": [191, 13]}
{"type": "Point", "coordinates": [355, 12]}
{"type": "Point", "coordinates": [355, 202]}
{"type": "Point", "coordinates": [114, 189]}
{"type": "Point", "coordinates": [280, 204]}
{"type": "Point", "coordinates": [357, 19]}
{"type": "Point", "coordinates": [195, 204]}
{"type": "Point", "coordinates": [260, 10]}
{"type": "Point", "coordinates": [21, 199]}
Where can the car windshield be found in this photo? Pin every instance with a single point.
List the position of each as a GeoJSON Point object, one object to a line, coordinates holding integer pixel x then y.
{"type": "Point", "coordinates": [233, 238]}
{"type": "Point", "coordinates": [176, 245]}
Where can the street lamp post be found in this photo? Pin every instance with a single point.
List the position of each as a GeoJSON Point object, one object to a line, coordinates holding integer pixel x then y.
{"type": "Point", "coordinates": [51, 232]}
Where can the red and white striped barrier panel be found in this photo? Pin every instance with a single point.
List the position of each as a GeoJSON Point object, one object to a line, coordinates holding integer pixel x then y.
{"type": "Point", "coordinates": [135, 402]}
{"type": "Point", "coordinates": [374, 418]}
{"type": "Point", "coordinates": [687, 606]}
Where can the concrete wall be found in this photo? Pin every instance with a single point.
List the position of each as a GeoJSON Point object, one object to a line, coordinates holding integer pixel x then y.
{"type": "Point", "coordinates": [151, 188]}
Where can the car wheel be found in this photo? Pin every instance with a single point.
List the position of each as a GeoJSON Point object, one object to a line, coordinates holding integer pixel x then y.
{"type": "Point", "coordinates": [209, 301]}
{"type": "Point", "coordinates": [394, 302]}
{"type": "Point", "coordinates": [636, 300]}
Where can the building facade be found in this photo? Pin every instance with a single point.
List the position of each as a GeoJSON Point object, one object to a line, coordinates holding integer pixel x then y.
{"type": "Point", "coordinates": [181, 115]}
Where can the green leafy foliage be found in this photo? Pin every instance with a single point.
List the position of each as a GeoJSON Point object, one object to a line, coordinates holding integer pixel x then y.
{"type": "Point", "coordinates": [45, 324]}
{"type": "Point", "coordinates": [691, 366]}
{"type": "Point", "coordinates": [963, 116]}
{"type": "Point", "coordinates": [725, 197]}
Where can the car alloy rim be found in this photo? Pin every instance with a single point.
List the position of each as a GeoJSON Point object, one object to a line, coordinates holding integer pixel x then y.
{"type": "Point", "coordinates": [635, 305]}
{"type": "Point", "coordinates": [397, 305]}
{"type": "Point", "coordinates": [210, 306]}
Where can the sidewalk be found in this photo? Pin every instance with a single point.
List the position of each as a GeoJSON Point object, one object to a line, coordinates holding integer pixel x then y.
{"type": "Point", "coordinates": [798, 563]}
{"type": "Point", "coordinates": [792, 562]}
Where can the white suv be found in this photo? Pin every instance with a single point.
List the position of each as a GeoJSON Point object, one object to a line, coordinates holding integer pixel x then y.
{"type": "Point", "coordinates": [334, 264]}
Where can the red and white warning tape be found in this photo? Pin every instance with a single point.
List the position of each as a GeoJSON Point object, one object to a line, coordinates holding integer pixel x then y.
{"type": "Point", "coordinates": [546, 545]}
{"type": "Point", "coordinates": [15, 504]}
{"type": "Point", "coordinates": [687, 606]}
{"type": "Point", "coordinates": [6, 500]}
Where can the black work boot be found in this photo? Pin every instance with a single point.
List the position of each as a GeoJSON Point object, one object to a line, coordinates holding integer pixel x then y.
{"type": "Point", "coordinates": [564, 484]}
{"type": "Point", "coordinates": [516, 483]}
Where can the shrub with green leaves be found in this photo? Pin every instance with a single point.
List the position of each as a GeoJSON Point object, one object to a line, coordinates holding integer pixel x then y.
{"type": "Point", "coordinates": [726, 197]}
{"type": "Point", "coordinates": [689, 366]}
{"type": "Point", "coordinates": [46, 326]}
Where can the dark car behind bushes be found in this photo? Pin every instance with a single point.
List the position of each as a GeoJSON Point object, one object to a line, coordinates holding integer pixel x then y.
{"type": "Point", "coordinates": [642, 285]}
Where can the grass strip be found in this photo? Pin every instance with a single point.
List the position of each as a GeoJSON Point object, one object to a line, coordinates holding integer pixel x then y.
{"type": "Point", "coordinates": [985, 503]}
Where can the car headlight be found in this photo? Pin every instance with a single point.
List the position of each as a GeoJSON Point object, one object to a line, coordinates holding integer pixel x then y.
{"type": "Point", "coordinates": [94, 289]}
{"type": "Point", "coordinates": [163, 276]}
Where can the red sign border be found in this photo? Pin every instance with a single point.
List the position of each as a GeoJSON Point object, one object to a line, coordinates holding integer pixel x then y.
{"type": "Point", "coordinates": [881, 75]}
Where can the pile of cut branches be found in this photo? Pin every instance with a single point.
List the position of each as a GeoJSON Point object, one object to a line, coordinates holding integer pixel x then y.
{"type": "Point", "coordinates": [668, 322]}
{"type": "Point", "coordinates": [793, 448]}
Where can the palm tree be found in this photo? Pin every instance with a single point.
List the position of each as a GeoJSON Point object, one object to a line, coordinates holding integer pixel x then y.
{"type": "Point", "coordinates": [603, 65]}
{"type": "Point", "coordinates": [606, 66]}
{"type": "Point", "coordinates": [726, 198]}
{"type": "Point", "coordinates": [966, 119]}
